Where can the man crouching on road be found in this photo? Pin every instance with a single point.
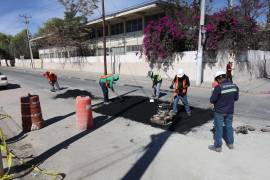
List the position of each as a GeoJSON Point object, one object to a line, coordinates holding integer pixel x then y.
{"type": "Point", "coordinates": [52, 78]}
{"type": "Point", "coordinates": [223, 98]}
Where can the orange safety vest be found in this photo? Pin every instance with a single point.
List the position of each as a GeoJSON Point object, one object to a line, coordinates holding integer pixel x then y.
{"type": "Point", "coordinates": [184, 90]}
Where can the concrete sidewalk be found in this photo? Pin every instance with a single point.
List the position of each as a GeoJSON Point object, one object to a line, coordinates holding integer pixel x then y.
{"type": "Point", "coordinates": [259, 86]}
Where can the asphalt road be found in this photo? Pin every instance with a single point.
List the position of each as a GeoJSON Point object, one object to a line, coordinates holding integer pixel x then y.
{"type": "Point", "coordinates": [253, 107]}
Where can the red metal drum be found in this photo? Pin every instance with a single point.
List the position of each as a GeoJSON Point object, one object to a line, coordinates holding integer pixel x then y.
{"type": "Point", "coordinates": [31, 113]}
{"type": "Point", "coordinates": [84, 115]}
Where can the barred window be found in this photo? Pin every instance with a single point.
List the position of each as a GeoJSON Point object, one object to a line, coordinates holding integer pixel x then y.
{"type": "Point", "coordinates": [117, 29]}
{"type": "Point", "coordinates": [118, 50]}
{"type": "Point", "coordinates": [134, 25]}
{"type": "Point", "coordinates": [134, 48]}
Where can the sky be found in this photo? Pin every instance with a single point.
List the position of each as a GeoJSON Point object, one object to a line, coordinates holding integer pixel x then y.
{"type": "Point", "coordinates": [42, 10]}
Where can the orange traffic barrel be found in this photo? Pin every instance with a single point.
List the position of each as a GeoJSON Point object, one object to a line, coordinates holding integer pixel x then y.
{"type": "Point", "coordinates": [31, 113]}
{"type": "Point", "coordinates": [84, 116]}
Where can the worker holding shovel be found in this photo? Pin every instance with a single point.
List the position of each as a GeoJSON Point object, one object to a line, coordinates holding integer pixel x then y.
{"type": "Point", "coordinates": [156, 78]}
{"type": "Point", "coordinates": [106, 83]}
{"type": "Point", "coordinates": [181, 82]}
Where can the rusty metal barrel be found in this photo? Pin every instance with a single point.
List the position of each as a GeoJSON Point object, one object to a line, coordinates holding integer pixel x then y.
{"type": "Point", "coordinates": [31, 113]}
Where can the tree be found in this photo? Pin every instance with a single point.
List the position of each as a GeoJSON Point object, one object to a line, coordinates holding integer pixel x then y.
{"type": "Point", "coordinates": [19, 46]}
{"type": "Point", "coordinates": [5, 46]}
{"type": "Point", "coordinates": [70, 31]}
{"type": "Point", "coordinates": [83, 7]}
{"type": "Point", "coordinates": [253, 8]}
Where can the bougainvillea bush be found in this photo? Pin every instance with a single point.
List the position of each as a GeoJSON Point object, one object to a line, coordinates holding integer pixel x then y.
{"type": "Point", "coordinates": [162, 38]}
{"type": "Point", "coordinates": [226, 29]}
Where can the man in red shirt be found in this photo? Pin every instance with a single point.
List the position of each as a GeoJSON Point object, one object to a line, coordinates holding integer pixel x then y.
{"type": "Point", "coordinates": [52, 78]}
{"type": "Point", "coordinates": [229, 71]}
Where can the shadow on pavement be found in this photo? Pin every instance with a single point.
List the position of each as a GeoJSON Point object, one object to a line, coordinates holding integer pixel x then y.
{"type": "Point", "coordinates": [98, 122]}
{"type": "Point", "coordinates": [16, 138]}
{"type": "Point", "coordinates": [141, 110]}
{"type": "Point", "coordinates": [151, 150]}
{"type": "Point", "coordinates": [10, 86]}
{"type": "Point", "coordinates": [56, 119]}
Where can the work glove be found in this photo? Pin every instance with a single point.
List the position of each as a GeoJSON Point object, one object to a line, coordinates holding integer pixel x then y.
{"type": "Point", "coordinates": [171, 87]}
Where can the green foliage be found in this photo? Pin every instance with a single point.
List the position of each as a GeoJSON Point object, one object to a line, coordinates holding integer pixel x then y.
{"type": "Point", "coordinates": [5, 46]}
{"type": "Point", "coordinates": [19, 45]}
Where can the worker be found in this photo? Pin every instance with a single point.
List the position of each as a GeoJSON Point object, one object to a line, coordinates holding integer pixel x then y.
{"type": "Point", "coordinates": [106, 82]}
{"type": "Point", "coordinates": [157, 80]}
{"type": "Point", "coordinates": [229, 71]}
{"type": "Point", "coordinates": [223, 99]}
{"type": "Point", "coordinates": [52, 78]}
{"type": "Point", "coordinates": [181, 82]}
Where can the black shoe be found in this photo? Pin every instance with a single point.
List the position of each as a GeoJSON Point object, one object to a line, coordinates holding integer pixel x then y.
{"type": "Point", "coordinates": [230, 146]}
{"type": "Point", "coordinates": [213, 148]}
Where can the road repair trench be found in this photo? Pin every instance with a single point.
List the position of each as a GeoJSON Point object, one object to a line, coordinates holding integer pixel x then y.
{"type": "Point", "coordinates": [138, 108]}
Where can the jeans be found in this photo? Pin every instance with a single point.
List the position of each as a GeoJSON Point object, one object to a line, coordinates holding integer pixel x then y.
{"type": "Point", "coordinates": [156, 90]}
{"type": "Point", "coordinates": [54, 84]}
{"type": "Point", "coordinates": [223, 128]}
{"type": "Point", "coordinates": [105, 91]}
{"type": "Point", "coordinates": [184, 101]}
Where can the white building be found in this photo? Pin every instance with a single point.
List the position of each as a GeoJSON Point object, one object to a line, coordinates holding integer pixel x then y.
{"type": "Point", "coordinates": [124, 30]}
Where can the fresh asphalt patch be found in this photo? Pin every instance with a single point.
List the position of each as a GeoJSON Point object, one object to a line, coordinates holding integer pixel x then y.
{"type": "Point", "coordinates": [73, 93]}
{"type": "Point", "coordinates": [139, 109]}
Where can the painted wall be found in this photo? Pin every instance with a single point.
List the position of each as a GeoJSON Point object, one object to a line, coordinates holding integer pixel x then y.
{"type": "Point", "coordinates": [247, 65]}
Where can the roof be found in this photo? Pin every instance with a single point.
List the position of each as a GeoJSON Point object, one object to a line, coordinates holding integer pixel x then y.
{"type": "Point", "coordinates": [133, 9]}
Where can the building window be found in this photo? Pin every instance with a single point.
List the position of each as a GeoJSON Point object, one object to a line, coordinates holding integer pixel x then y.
{"type": "Point", "coordinates": [134, 25]}
{"type": "Point", "coordinates": [100, 31]}
{"type": "Point", "coordinates": [117, 29]}
{"type": "Point", "coordinates": [51, 55]}
{"type": "Point", "coordinates": [134, 48]}
{"type": "Point", "coordinates": [92, 33]}
{"type": "Point", "coordinates": [118, 50]}
{"type": "Point", "coordinates": [100, 51]}
{"type": "Point", "coordinates": [59, 55]}
{"type": "Point", "coordinates": [154, 17]}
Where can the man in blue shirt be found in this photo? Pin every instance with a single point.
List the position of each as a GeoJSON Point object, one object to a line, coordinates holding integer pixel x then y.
{"type": "Point", "coordinates": [223, 99]}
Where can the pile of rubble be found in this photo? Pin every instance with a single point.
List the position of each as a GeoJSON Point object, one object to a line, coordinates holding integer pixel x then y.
{"type": "Point", "coordinates": [246, 128]}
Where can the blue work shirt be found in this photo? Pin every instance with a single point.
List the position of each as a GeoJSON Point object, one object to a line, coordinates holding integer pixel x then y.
{"type": "Point", "coordinates": [224, 96]}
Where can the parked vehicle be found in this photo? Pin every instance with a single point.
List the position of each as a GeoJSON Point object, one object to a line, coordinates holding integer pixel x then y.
{"type": "Point", "coordinates": [3, 81]}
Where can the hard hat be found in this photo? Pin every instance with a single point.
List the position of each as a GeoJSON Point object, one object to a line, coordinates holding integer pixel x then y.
{"type": "Point", "coordinates": [180, 73]}
{"type": "Point", "coordinates": [219, 73]}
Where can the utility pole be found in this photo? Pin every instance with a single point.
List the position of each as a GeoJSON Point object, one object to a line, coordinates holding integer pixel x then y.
{"type": "Point", "coordinates": [230, 4]}
{"type": "Point", "coordinates": [104, 38]}
{"type": "Point", "coordinates": [200, 47]}
{"type": "Point", "coordinates": [26, 21]}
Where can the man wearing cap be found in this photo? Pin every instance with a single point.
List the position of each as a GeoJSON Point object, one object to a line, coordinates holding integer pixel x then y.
{"type": "Point", "coordinates": [223, 98]}
{"type": "Point", "coordinates": [106, 82]}
{"type": "Point", "coordinates": [181, 82]}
